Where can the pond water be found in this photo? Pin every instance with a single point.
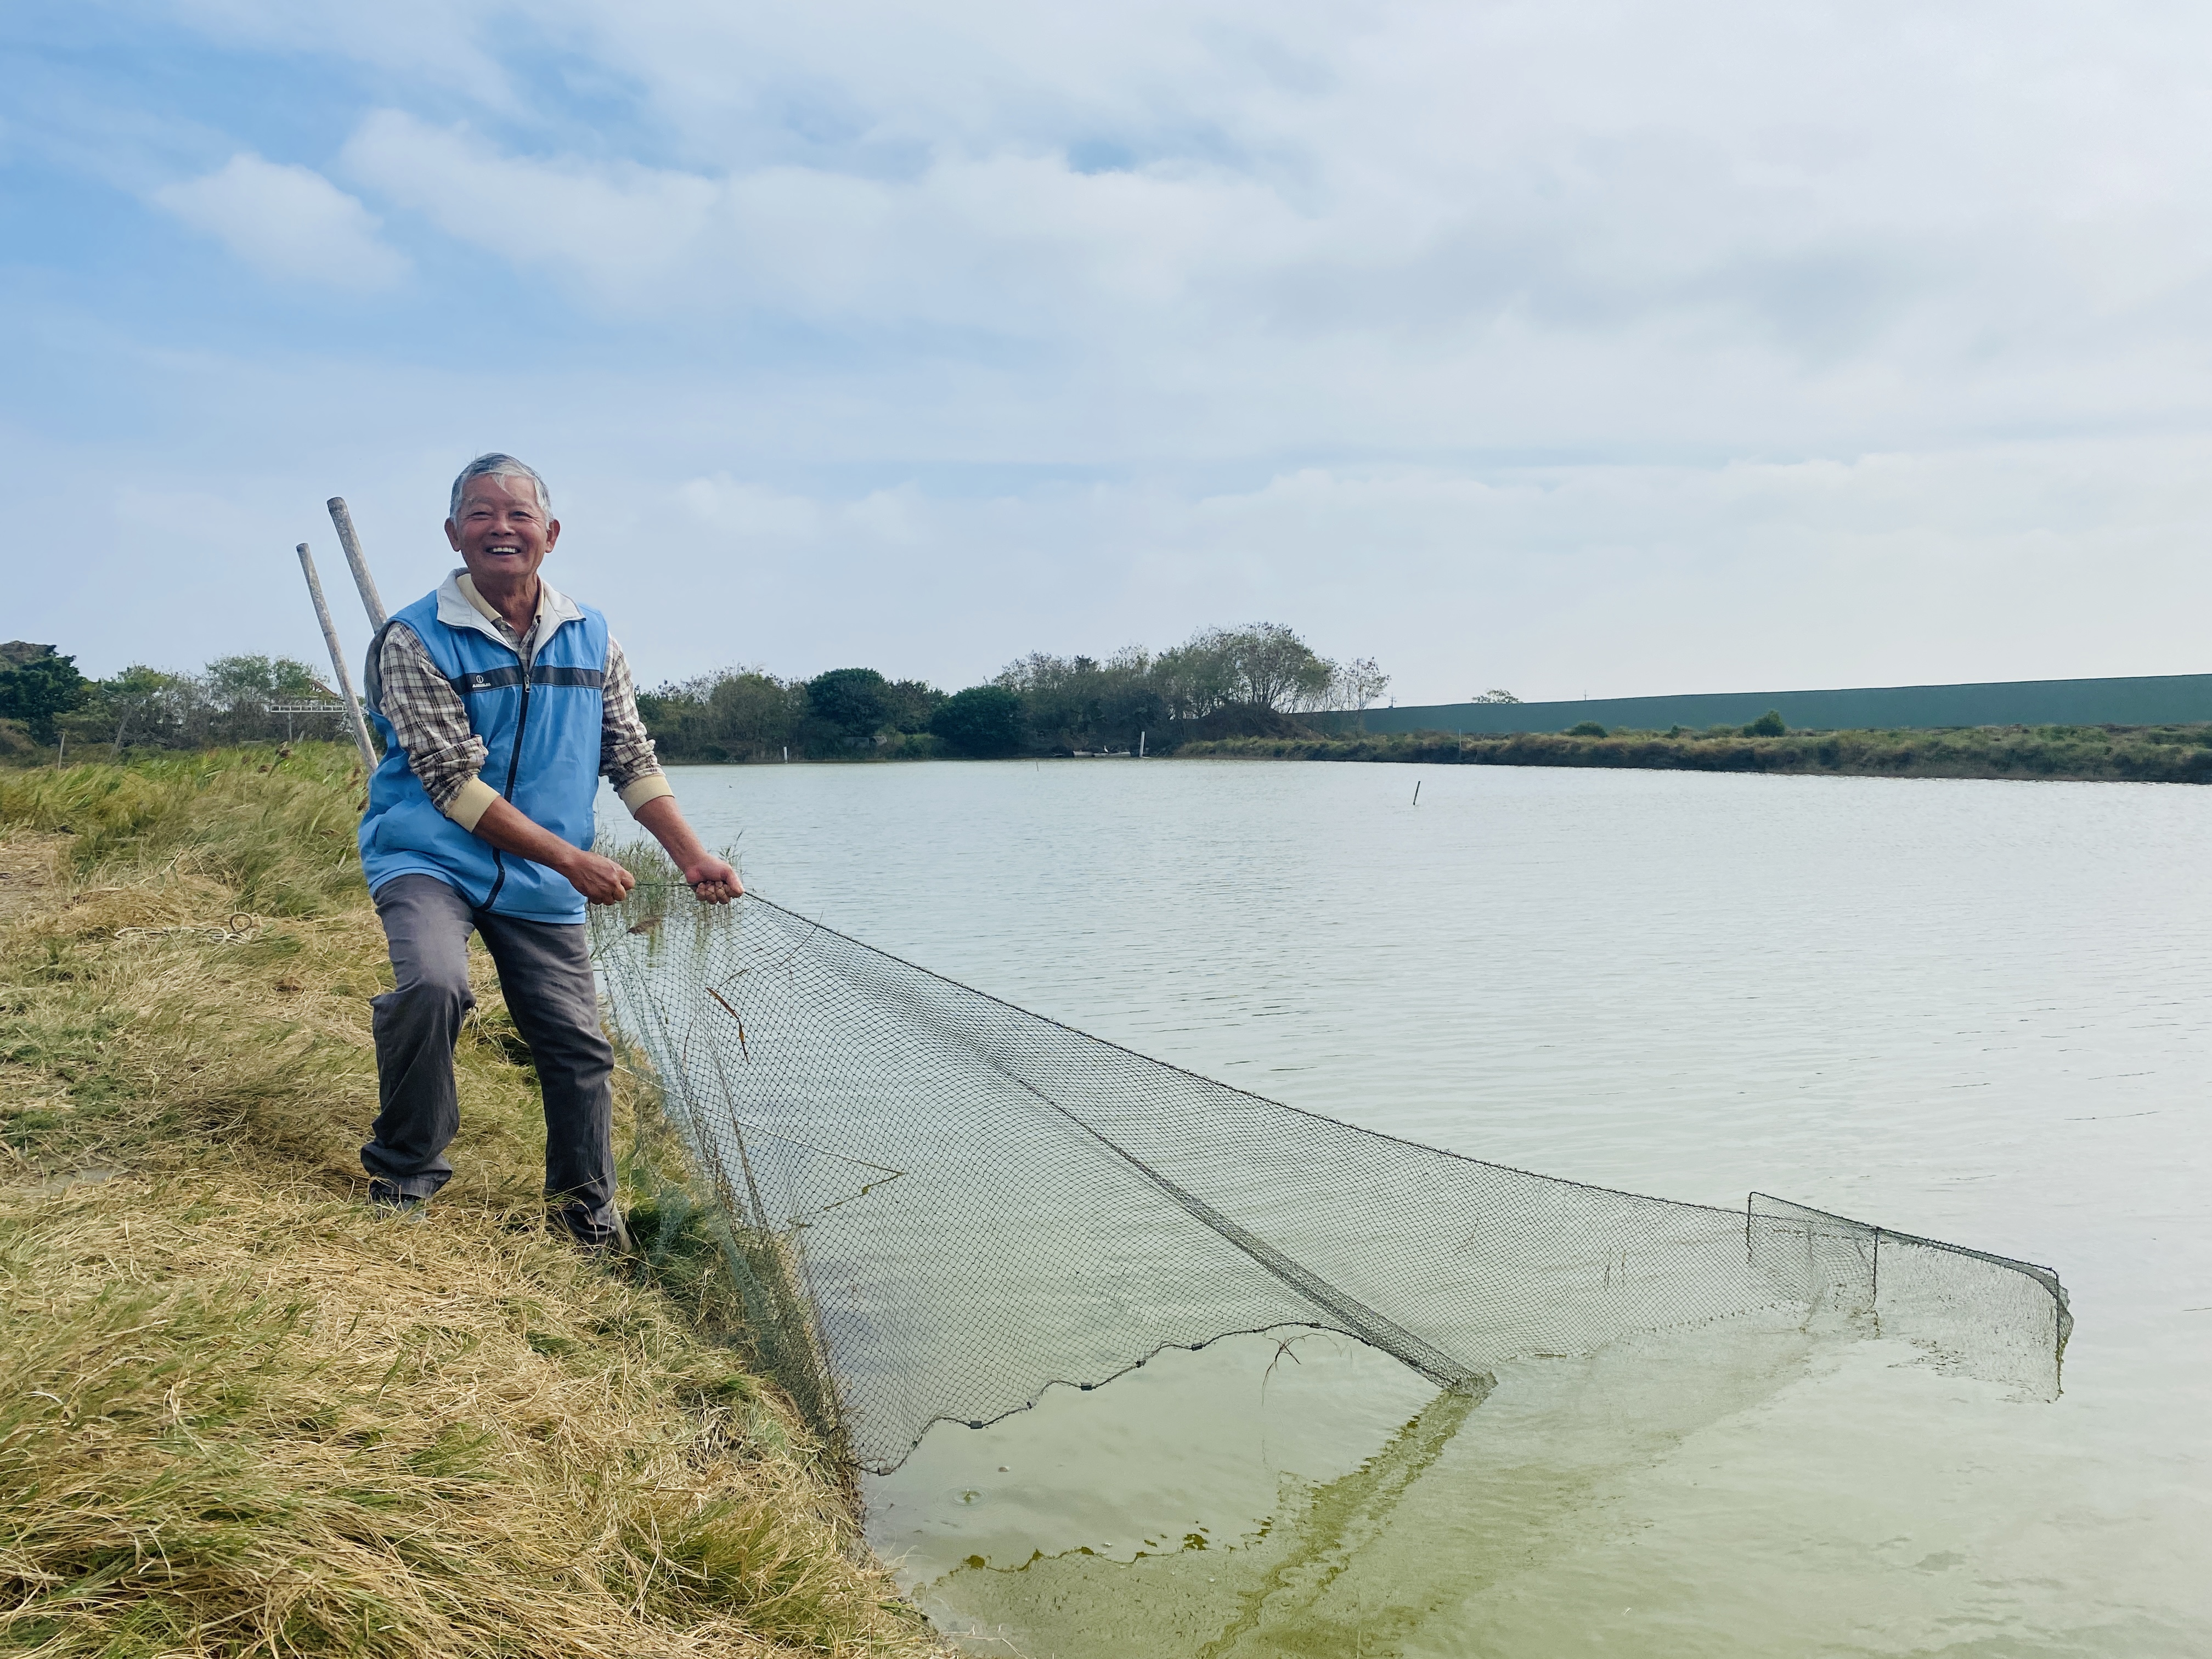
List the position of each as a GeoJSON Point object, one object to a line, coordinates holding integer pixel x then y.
{"type": "Point", "coordinates": [1973, 1011]}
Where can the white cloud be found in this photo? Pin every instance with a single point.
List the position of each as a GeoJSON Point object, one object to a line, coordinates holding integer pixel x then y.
{"type": "Point", "coordinates": [440, 44]}
{"type": "Point", "coordinates": [1224, 229]}
{"type": "Point", "coordinates": [740, 511]}
{"type": "Point", "coordinates": [615, 228]}
{"type": "Point", "coordinates": [287, 222]}
{"type": "Point", "coordinates": [1010, 242]}
{"type": "Point", "coordinates": [1534, 343]}
{"type": "Point", "coordinates": [2050, 558]}
{"type": "Point", "coordinates": [1995, 563]}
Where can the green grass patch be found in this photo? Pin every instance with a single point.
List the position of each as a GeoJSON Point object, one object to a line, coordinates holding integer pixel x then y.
{"type": "Point", "coordinates": [241, 1412]}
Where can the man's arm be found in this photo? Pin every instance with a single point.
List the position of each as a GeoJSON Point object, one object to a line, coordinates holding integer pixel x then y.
{"type": "Point", "coordinates": [711, 878]}
{"type": "Point", "coordinates": [627, 758]}
{"type": "Point", "coordinates": [432, 725]}
{"type": "Point", "coordinates": [629, 763]}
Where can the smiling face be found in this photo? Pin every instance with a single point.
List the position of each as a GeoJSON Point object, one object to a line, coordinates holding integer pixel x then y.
{"type": "Point", "coordinates": [501, 532]}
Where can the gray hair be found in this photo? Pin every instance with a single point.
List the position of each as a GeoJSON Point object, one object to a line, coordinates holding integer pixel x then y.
{"type": "Point", "coordinates": [499, 466]}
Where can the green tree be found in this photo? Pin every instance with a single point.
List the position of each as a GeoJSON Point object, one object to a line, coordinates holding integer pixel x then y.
{"type": "Point", "coordinates": [1199, 676]}
{"type": "Point", "coordinates": [244, 683]}
{"type": "Point", "coordinates": [982, 722]}
{"type": "Point", "coordinates": [1261, 666]}
{"type": "Point", "coordinates": [1360, 683]}
{"type": "Point", "coordinates": [141, 698]}
{"type": "Point", "coordinates": [912, 703]}
{"type": "Point", "coordinates": [753, 711]}
{"type": "Point", "coordinates": [234, 695]}
{"type": "Point", "coordinates": [849, 706]}
{"type": "Point", "coordinates": [1586, 729]}
{"type": "Point", "coordinates": [1079, 702]}
{"type": "Point", "coordinates": [1768, 724]}
{"type": "Point", "coordinates": [1275, 669]}
{"type": "Point", "coordinates": [729, 714]}
{"type": "Point", "coordinates": [35, 689]}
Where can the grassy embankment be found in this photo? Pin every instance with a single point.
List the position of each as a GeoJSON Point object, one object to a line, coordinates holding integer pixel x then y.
{"type": "Point", "coordinates": [2139, 754]}
{"type": "Point", "coordinates": [239, 1413]}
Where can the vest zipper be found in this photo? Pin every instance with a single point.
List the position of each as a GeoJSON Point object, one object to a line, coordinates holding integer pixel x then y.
{"type": "Point", "coordinates": [513, 761]}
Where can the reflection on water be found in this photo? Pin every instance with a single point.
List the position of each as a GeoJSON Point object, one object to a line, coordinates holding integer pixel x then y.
{"type": "Point", "coordinates": [1459, 1498]}
{"type": "Point", "coordinates": [1190, 1452]}
{"type": "Point", "coordinates": [1971, 1010]}
{"type": "Point", "coordinates": [1217, 1599]}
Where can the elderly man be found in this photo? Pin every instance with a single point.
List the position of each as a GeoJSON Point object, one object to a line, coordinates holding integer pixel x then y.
{"type": "Point", "coordinates": [501, 702]}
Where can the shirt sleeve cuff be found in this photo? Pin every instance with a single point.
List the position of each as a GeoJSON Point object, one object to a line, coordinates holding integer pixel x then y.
{"type": "Point", "coordinates": [471, 802]}
{"type": "Point", "coordinates": [636, 795]}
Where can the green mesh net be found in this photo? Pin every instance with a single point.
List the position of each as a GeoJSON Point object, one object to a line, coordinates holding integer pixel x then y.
{"type": "Point", "coordinates": [975, 1202]}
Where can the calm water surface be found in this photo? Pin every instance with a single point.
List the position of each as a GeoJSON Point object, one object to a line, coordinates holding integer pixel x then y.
{"type": "Point", "coordinates": [1977, 1010]}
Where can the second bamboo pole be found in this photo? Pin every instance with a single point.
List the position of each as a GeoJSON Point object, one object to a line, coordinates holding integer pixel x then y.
{"type": "Point", "coordinates": [337, 660]}
{"type": "Point", "coordinates": [371, 601]}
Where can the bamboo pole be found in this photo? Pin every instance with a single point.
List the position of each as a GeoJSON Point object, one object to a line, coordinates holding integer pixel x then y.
{"type": "Point", "coordinates": [338, 660]}
{"type": "Point", "coordinates": [342, 519]}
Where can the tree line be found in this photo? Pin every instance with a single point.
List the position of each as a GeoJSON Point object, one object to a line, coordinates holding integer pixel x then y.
{"type": "Point", "coordinates": [1222, 682]}
{"type": "Point", "coordinates": [51, 704]}
{"type": "Point", "coordinates": [1251, 681]}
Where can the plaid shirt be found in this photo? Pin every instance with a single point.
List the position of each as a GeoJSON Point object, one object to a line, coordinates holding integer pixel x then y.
{"type": "Point", "coordinates": [432, 722]}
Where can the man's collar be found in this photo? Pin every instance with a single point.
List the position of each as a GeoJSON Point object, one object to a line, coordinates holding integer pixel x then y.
{"type": "Point", "coordinates": [460, 605]}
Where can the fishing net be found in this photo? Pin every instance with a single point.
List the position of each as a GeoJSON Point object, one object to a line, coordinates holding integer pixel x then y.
{"type": "Point", "coordinates": [974, 1201]}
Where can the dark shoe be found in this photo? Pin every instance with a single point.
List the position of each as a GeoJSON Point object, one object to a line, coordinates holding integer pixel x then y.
{"type": "Point", "coordinates": [387, 1200]}
{"type": "Point", "coordinates": [608, 1239]}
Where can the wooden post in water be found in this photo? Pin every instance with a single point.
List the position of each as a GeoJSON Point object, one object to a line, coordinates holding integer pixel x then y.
{"type": "Point", "coordinates": [342, 521]}
{"type": "Point", "coordinates": [337, 660]}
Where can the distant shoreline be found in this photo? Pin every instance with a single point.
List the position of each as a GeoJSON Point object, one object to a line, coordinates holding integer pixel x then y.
{"type": "Point", "coordinates": [2099, 754]}
{"type": "Point", "coordinates": [2079, 754]}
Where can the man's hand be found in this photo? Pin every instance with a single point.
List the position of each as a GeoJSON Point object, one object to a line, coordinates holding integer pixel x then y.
{"type": "Point", "coordinates": [601, 881]}
{"type": "Point", "coordinates": [713, 880]}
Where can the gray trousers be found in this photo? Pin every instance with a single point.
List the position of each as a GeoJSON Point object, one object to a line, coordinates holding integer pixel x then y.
{"type": "Point", "coordinates": [545, 974]}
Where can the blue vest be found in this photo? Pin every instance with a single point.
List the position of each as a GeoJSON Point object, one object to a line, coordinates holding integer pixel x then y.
{"type": "Point", "coordinates": [541, 729]}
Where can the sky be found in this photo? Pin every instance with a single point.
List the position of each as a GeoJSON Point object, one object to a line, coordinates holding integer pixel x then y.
{"type": "Point", "coordinates": [1573, 346]}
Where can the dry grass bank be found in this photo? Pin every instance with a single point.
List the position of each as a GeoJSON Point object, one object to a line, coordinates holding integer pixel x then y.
{"type": "Point", "coordinates": [2132, 754]}
{"type": "Point", "coordinates": [238, 1412]}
